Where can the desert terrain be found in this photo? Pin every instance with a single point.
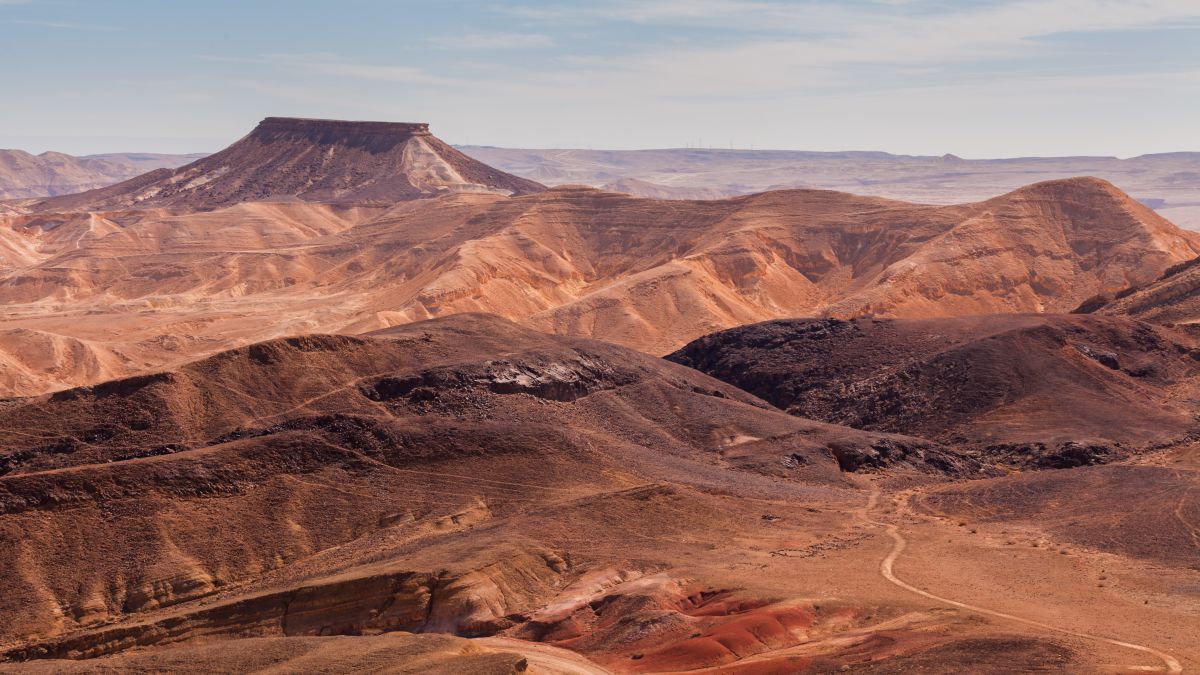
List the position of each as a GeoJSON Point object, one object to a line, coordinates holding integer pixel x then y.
{"type": "Point", "coordinates": [1167, 182]}
{"type": "Point", "coordinates": [636, 514]}
{"type": "Point", "coordinates": [286, 232]}
{"type": "Point", "coordinates": [343, 398]}
{"type": "Point", "coordinates": [23, 175]}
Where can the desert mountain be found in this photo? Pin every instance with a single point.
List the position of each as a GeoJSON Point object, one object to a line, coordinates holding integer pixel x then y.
{"type": "Point", "coordinates": [23, 175]}
{"type": "Point", "coordinates": [1040, 390]}
{"type": "Point", "coordinates": [467, 495]}
{"type": "Point", "coordinates": [645, 273]}
{"type": "Point", "coordinates": [310, 160]}
{"type": "Point", "coordinates": [462, 475]}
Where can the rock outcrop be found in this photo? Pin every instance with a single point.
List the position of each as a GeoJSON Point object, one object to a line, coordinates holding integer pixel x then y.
{"type": "Point", "coordinates": [1041, 391]}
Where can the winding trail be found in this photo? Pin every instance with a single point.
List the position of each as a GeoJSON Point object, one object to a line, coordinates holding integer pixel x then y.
{"type": "Point", "coordinates": [900, 543]}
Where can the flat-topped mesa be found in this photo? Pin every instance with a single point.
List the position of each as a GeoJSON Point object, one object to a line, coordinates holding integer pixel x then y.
{"type": "Point", "coordinates": [286, 158]}
{"type": "Point", "coordinates": [312, 125]}
{"type": "Point", "coordinates": [374, 136]}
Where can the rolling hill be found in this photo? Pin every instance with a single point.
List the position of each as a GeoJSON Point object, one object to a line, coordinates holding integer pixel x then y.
{"type": "Point", "coordinates": [152, 286]}
{"type": "Point", "coordinates": [462, 475]}
{"type": "Point", "coordinates": [467, 494]}
{"type": "Point", "coordinates": [1030, 390]}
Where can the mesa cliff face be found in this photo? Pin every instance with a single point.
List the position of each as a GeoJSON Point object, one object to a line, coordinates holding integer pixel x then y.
{"type": "Point", "coordinates": [309, 160]}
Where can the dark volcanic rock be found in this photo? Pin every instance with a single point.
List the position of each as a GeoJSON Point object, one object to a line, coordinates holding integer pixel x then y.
{"type": "Point", "coordinates": [1067, 455]}
{"type": "Point", "coordinates": [884, 453]}
{"type": "Point", "coordinates": [1019, 388]}
{"type": "Point", "coordinates": [1106, 359]}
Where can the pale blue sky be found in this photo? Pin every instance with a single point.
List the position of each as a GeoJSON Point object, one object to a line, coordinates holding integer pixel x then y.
{"type": "Point", "coordinates": [986, 78]}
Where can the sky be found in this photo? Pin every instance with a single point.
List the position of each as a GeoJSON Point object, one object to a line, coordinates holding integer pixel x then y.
{"type": "Point", "coordinates": [986, 78]}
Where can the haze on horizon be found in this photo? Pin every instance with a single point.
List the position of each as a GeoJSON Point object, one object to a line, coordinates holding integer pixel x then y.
{"type": "Point", "coordinates": [995, 78]}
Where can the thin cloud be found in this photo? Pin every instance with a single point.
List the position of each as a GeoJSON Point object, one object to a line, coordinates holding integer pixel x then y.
{"type": "Point", "coordinates": [332, 64]}
{"type": "Point", "coordinates": [821, 46]}
{"type": "Point", "coordinates": [492, 41]}
{"type": "Point", "coordinates": [1006, 20]}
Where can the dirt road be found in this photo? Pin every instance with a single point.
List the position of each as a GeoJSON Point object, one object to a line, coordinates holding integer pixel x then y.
{"type": "Point", "coordinates": [886, 568]}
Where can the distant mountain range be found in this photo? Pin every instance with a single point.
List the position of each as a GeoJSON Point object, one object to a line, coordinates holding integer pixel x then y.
{"type": "Point", "coordinates": [23, 175]}
{"type": "Point", "coordinates": [1167, 182]}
